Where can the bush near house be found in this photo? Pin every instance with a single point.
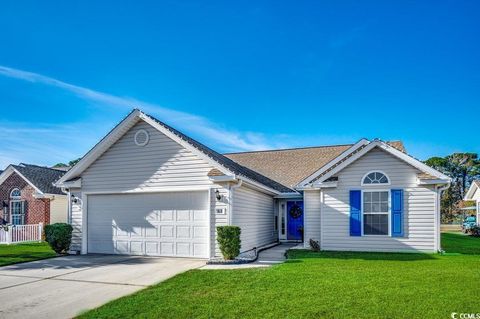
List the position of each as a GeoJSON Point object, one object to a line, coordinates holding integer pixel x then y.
{"type": "Point", "coordinates": [59, 237]}
{"type": "Point", "coordinates": [474, 231]}
{"type": "Point", "coordinates": [229, 240]}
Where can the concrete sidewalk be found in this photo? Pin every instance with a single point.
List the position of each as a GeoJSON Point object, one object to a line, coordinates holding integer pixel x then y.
{"type": "Point", "coordinates": [266, 258]}
{"type": "Point", "coordinates": [63, 287]}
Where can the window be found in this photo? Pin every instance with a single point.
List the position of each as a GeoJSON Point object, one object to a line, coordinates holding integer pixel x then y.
{"type": "Point", "coordinates": [283, 220]}
{"type": "Point", "coordinates": [375, 178]}
{"type": "Point", "coordinates": [275, 221]}
{"type": "Point", "coordinates": [17, 207]}
{"type": "Point", "coordinates": [375, 213]}
{"type": "Point", "coordinates": [15, 194]}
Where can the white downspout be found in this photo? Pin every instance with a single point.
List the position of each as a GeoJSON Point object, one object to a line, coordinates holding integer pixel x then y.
{"type": "Point", "coordinates": [69, 204]}
{"type": "Point", "coordinates": [438, 214]}
{"type": "Point", "coordinates": [230, 200]}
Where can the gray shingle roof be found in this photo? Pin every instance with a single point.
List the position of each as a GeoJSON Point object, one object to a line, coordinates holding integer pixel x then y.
{"type": "Point", "coordinates": [42, 177]}
{"type": "Point", "coordinates": [226, 162]}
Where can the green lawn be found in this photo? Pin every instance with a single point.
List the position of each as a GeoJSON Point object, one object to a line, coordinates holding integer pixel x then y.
{"type": "Point", "coordinates": [460, 243]}
{"type": "Point", "coordinates": [319, 285]}
{"type": "Point", "coordinates": [18, 253]}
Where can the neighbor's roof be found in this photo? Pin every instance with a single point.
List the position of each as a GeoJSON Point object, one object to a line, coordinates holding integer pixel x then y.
{"type": "Point", "coordinates": [42, 177]}
{"type": "Point", "coordinates": [291, 166]}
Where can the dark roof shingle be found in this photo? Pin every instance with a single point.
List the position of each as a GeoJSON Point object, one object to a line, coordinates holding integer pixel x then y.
{"type": "Point", "coordinates": [42, 177]}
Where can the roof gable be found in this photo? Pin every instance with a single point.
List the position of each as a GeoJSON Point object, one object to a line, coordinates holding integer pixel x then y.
{"type": "Point", "coordinates": [224, 164]}
{"type": "Point", "coordinates": [39, 177]}
{"type": "Point", "coordinates": [474, 187]}
{"type": "Point", "coordinates": [339, 163]}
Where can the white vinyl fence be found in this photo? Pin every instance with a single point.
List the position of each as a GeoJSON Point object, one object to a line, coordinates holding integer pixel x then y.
{"type": "Point", "coordinates": [13, 234]}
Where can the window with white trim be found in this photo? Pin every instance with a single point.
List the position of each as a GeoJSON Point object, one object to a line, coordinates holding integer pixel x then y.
{"type": "Point", "coordinates": [375, 178]}
{"type": "Point", "coordinates": [375, 213]}
{"type": "Point", "coordinates": [17, 207]}
{"type": "Point", "coordinates": [15, 193]}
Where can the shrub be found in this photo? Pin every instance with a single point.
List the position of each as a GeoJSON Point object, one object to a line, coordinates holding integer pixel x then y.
{"type": "Point", "coordinates": [474, 231]}
{"type": "Point", "coordinates": [59, 237]}
{"type": "Point", "coordinates": [229, 240]}
{"type": "Point", "coordinates": [314, 245]}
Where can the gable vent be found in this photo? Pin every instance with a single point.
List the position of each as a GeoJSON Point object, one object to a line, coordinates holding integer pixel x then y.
{"type": "Point", "coordinates": [141, 137]}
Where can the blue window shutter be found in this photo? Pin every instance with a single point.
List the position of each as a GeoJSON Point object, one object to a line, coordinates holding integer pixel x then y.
{"type": "Point", "coordinates": [355, 213]}
{"type": "Point", "coordinates": [397, 212]}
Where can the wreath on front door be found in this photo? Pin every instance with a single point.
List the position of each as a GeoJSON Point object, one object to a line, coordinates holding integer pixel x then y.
{"type": "Point", "coordinates": [295, 211]}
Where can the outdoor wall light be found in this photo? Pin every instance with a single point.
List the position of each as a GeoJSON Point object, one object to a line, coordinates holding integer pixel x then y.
{"type": "Point", "coordinates": [218, 196]}
{"type": "Point", "coordinates": [74, 199]}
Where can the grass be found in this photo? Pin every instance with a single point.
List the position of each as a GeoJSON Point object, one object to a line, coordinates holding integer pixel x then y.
{"type": "Point", "coordinates": [19, 253]}
{"type": "Point", "coordinates": [460, 243]}
{"type": "Point", "coordinates": [319, 285]}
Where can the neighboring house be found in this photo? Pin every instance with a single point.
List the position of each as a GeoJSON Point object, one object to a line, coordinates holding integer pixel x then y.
{"type": "Point", "coordinates": [148, 189]}
{"type": "Point", "coordinates": [28, 196]}
{"type": "Point", "coordinates": [474, 195]}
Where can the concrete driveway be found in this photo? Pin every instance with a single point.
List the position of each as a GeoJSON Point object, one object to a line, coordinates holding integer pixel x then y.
{"type": "Point", "coordinates": [66, 286]}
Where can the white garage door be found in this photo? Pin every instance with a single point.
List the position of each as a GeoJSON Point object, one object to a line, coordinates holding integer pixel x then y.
{"type": "Point", "coordinates": [159, 224]}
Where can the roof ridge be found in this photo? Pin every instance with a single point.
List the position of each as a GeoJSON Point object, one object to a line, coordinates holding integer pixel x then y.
{"type": "Point", "coordinates": [289, 149]}
{"type": "Point", "coordinates": [39, 166]}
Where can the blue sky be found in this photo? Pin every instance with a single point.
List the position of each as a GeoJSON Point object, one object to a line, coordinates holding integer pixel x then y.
{"type": "Point", "coordinates": [239, 75]}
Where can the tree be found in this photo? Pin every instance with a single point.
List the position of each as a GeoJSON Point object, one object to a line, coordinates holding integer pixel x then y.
{"type": "Point", "coordinates": [75, 161]}
{"type": "Point", "coordinates": [70, 164]}
{"type": "Point", "coordinates": [463, 168]}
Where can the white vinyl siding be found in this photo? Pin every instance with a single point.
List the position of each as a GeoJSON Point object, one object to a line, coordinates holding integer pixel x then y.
{"type": "Point", "coordinates": [253, 212]}
{"type": "Point", "coordinates": [218, 218]}
{"type": "Point", "coordinates": [162, 163]}
{"type": "Point", "coordinates": [76, 216]}
{"type": "Point", "coordinates": [58, 209]}
{"type": "Point", "coordinates": [419, 207]}
{"type": "Point", "coordinates": [311, 204]}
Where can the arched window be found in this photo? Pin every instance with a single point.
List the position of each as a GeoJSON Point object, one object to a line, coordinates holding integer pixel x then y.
{"type": "Point", "coordinates": [15, 194]}
{"type": "Point", "coordinates": [17, 207]}
{"type": "Point", "coordinates": [375, 178]}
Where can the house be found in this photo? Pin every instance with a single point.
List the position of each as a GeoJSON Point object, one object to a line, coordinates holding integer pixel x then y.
{"type": "Point", "coordinates": [473, 194]}
{"type": "Point", "coordinates": [148, 189]}
{"type": "Point", "coordinates": [28, 195]}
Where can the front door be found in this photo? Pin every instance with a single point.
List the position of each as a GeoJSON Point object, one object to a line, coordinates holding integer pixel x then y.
{"type": "Point", "coordinates": [295, 220]}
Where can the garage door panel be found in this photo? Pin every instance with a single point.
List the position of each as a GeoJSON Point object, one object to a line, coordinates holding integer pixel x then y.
{"type": "Point", "coordinates": [160, 224]}
{"type": "Point", "coordinates": [151, 248]}
{"type": "Point", "coordinates": [200, 250]}
{"type": "Point", "coordinates": [200, 232]}
{"type": "Point", "coordinates": [167, 248]}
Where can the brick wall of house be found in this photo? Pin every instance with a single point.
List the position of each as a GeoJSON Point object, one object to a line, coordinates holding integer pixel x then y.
{"type": "Point", "coordinates": [36, 210]}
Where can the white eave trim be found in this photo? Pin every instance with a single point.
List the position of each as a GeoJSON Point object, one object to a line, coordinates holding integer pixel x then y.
{"type": "Point", "coordinates": [223, 178]}
{"type": "Point", "coordinates": [421, 181]}
{"type": "Point", "coordinates": [318, 186]}
{"type": "Point", "coordinates": [288, 195]}
{"type": "Point", "coordinates": [471, 191]}
{"type": "Point", "coordinates": [77, 183]}
{"type": "Point", "coordinates": [351, 149]}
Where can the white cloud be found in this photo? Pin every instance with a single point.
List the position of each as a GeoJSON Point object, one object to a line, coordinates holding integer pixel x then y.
{"type": "Point", "coordinates": [201, 127]}
{"type": "Point", "coordinates": [47, 144]}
